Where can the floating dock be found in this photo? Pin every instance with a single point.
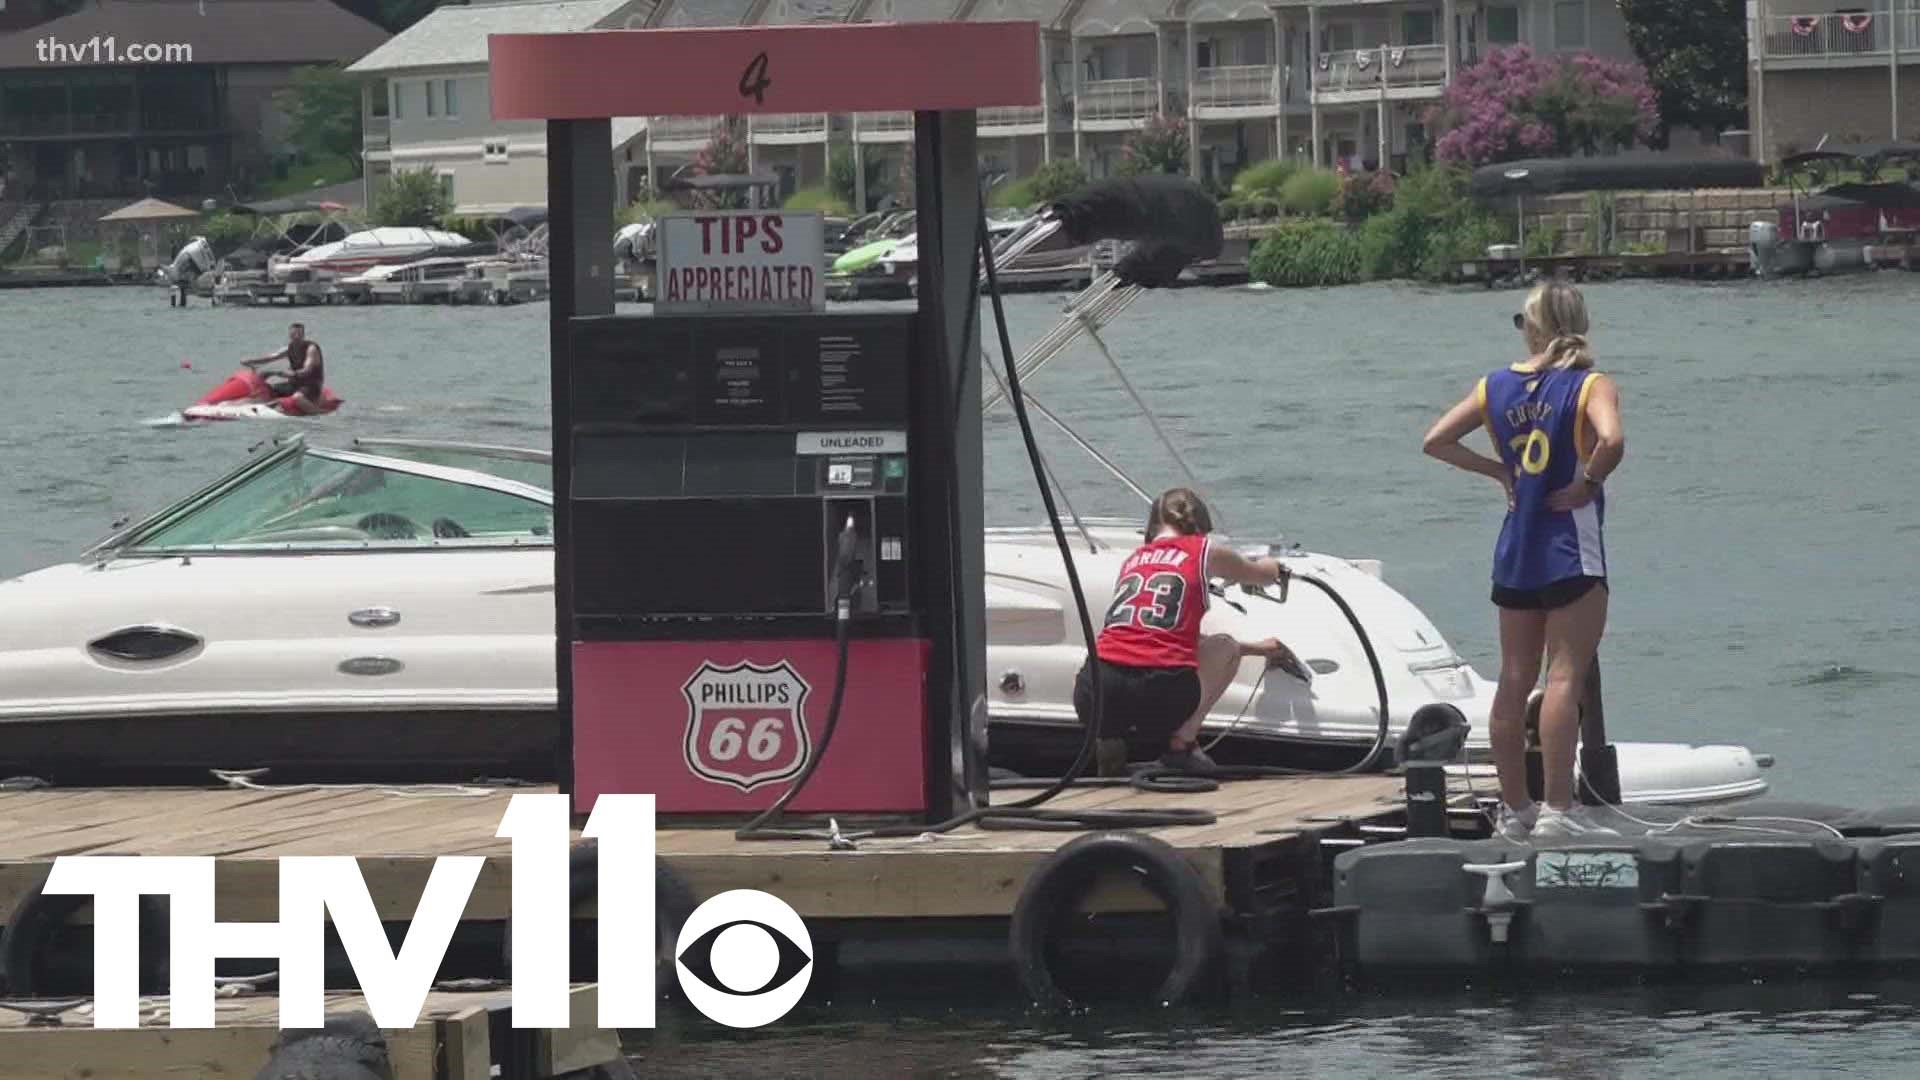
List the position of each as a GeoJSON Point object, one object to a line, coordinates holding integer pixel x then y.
{"type": "Point", "coordinates": [1733, 263]}
{"type": "Point", "coordinates": [1259, 866]}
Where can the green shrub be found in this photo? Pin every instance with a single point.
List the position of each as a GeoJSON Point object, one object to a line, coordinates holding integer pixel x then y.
{"type": "Point", "coordinates": [1308, 253]}
{"type": "Point", "coordinates": [818, 198]}
{"type": "Point", "coordinates": [1310, 192]}
{"type": "Point", "coordinates": [1265, 179]}
{"type": "Point", "coordinates": [412, 197]}
{"type": "Point", "coordinates": [226, 231]}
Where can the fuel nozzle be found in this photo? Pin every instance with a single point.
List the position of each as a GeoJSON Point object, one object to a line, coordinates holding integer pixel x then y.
{"type": "Point", "coordinates": [847, 568]}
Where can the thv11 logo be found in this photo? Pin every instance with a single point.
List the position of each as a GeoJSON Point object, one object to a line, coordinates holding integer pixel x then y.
{"type": "Point", "coordinates": [744, 957]}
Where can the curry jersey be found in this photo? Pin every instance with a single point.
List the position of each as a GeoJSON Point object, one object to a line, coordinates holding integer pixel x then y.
{"type": "Point", "coordinates": [1154, 619]}
{"type": "Point", "coordinates": [1538, 423]}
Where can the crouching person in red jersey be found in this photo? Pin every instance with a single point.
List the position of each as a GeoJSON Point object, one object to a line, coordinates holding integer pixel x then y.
{"type": "Point", "coordinates": [1159, 678]}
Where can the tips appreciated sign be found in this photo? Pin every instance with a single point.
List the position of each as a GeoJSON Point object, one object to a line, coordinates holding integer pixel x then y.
{"type": "Point", "coordinates": [742, 262]}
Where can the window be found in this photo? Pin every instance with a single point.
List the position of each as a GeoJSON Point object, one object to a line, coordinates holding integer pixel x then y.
{"type": "Point", "coordinates": [1419, 28]}
{"type": "Point", "coordinates": [313, 502]}
{"type": "Point", "coordinates": [1336, 37]}
{"type": "Point", "coordinates": [494, 151]}
{"type": "Point", "coordinates": [446, 184]}
{"type": "Point", "coordinates": [398, 91]}
{"type": "Point", "coordinates": [1503, 25]}
{"type": "Point", "coordinates": [452, 98]}
{"type": "Point", "coordinates": [1570, 24]}
{"type": "Point", "coordinates": [433, 99]}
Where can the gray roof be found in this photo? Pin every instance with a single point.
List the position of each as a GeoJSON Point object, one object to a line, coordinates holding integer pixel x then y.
{"type": "Point", "coordinates": [457, 35]}
{"type": "Point", "coordinates": [229, 32]}
{"type": "Point", "coordinates": [705, 12]}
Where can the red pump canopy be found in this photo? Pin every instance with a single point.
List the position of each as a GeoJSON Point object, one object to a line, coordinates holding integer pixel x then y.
{"type": "Point", "coordinates": [850, 67]}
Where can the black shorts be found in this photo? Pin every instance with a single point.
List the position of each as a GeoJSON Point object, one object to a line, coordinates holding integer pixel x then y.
{"type": "Point", "coordinates": [1547, 598]}
{"type": "Point", "coordinates": [1137, 703]}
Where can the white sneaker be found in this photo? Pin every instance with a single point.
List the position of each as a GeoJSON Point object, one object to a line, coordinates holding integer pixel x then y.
{"type": "Point", "coordinates": [1574, 823]}
{"type": "Point", "coordinates": [1512, 825]}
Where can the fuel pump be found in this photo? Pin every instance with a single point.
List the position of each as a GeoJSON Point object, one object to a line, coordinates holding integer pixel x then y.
{"type": "Point", "coordinates": [747, 562]}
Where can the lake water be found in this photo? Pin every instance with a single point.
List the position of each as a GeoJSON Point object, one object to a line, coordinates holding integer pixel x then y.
{"type": "Point", "coordinates": [1762, 534]}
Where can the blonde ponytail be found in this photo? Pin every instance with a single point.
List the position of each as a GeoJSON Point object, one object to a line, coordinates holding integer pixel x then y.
{"type": "Point", "coordinates": [1558, 311]}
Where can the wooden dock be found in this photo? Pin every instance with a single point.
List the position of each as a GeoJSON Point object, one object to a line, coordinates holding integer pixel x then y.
{"type": "Point", "coordinates": [1261, 864]}
{"type": "Point", "coordinates": [397, 832]}
{"type": "Point", "coordinates": [459, 1037]}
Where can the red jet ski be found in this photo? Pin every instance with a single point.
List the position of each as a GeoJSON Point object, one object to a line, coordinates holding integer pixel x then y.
{"type": "Point", "coordinates": [247, 396]}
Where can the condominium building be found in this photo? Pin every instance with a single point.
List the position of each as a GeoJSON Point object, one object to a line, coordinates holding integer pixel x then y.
{"type": "Point", "coordinates": [1847, 71]}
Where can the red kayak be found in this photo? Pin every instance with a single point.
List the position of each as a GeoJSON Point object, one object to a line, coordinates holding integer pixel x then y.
{"type": "Point", "coordinates": [246, 396]}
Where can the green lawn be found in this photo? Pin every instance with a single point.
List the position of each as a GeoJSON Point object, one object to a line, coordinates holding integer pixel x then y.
{"type": "Point", "coordinates": [307, 177]}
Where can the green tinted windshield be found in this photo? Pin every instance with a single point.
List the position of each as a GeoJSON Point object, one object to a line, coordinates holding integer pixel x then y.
{"type": "Point", "coordinates": [309, 501]}
{"type": "Point", "coordinates": [502, 463]}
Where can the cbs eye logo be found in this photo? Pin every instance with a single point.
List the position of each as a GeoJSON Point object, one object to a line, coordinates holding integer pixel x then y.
{"type": "Point", "coordinates": [744, 958]}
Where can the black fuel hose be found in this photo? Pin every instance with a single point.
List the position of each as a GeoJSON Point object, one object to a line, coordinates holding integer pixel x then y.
{"type": "Point", "coordinates": [1025, 814]}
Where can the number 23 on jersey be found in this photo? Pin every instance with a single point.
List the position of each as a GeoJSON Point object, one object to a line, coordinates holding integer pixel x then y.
{"type": "Point", "coordinates": [1150, 601]}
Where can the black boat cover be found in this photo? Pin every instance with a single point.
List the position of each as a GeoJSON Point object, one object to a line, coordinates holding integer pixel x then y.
{"type": "Point", "coordinates": [1626, 172]}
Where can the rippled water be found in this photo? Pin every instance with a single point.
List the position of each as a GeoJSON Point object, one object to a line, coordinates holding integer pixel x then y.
{"type": "Point", "coordinates": [1763, 537]}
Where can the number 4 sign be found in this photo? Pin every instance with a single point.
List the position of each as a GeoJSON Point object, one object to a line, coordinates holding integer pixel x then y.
{"type": "Point", "coordinates": [746, 724]}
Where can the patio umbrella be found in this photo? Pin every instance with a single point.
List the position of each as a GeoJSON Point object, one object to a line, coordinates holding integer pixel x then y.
{"type": "Point", "coordinates": [150, 210]}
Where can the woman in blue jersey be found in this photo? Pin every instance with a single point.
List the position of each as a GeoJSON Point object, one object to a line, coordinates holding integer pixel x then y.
{"type": "Point", "coordinates": [1555, 424]}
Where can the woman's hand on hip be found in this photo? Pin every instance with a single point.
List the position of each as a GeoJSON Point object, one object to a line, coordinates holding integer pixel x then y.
{"type": "Point", "coordinates": [1573, 496]}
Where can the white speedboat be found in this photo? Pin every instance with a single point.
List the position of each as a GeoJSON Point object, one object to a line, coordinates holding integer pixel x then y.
{"type": "Point", "coordinates": [387, 610]}
{"type": "Point", "coordinates": [363, 250]}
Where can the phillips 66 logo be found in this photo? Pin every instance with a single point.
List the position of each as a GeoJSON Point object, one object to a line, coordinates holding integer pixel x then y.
{"type": "Point", "coordinates": [746, 724]}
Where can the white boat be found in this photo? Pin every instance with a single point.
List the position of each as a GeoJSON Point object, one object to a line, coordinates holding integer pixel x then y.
{"type": "Point", "coordinates": [387, 610]}
{"type": "Point", "coordinates": [361, 251]}
{"type": "Point", "coordinates": [436, 277]}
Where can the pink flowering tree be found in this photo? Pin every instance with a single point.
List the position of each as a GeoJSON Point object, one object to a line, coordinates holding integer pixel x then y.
{"type": "Point", "coordinates": [1159, 147]}
{"type": "Point", "coordinates": [1514, 104]}
{"type": "Point", "coordinates": [724, 155]}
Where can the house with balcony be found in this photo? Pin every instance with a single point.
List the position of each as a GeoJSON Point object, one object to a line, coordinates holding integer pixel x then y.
{"type": "Point", "coordinates": [184, 124]}
{"type": "Point", "coordinates": [1246, 89]}
{"type": "Point", "coordinates": [425, 103]}
{"type": "Point", "coordinates": [672, 142]}
{"type": "Point", "coordinates": [1126, 65]}
{"type": "Point", "coordinates": [1013, 141]}
{"type": "Point", "coordinates": [1375, 67]}
{"type": "Point", "coordinates": [1844, 70]}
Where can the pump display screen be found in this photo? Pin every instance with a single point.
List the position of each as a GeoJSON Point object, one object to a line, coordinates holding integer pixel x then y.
{"type": "Point", "coordinates": [716, 463]}
{"type": "Point", "coordinates": [849, 370]}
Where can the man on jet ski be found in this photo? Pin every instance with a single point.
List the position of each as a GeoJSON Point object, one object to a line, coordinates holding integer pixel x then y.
{"type": "Point", "coordinates": [308, 374]}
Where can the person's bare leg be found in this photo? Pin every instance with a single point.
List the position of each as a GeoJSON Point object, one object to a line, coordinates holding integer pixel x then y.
{"type": "Point", "coordinates": [1573, 636]}
{"type": "Point", "coordinates": [1219, 662]}
{"type": "Point", "coordinates": [1522, 635]}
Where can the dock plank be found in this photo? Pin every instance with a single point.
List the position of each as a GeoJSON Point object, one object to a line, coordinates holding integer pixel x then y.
{"type": "Point", "coordinates": [397, 832]}
{"type": "Point", "coordinates": [452, 1030]}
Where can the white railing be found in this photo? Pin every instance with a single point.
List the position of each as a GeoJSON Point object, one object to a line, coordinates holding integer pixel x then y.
{"type": "Point", "coordinates": [375, 133]}
{"type": "Point", "coordinates": [1000, 116]}
{"type": "Point", "coordinates": [1830, 36]}
{"type": "Point", "coordinates": [1240, 87]}
{"type": "Point", "coordinates": [1402, 66]}
{"type": "Point", "coordinates": [879, 123]}
{"type": "Point", "coordinates": [791, 124]}
{"type": "Point", "coordinates": [669, 129]}
{"type": "Point", "coordinates": [1117, 99]}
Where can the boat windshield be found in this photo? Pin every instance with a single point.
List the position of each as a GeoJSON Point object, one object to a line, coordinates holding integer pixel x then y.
{"type": "Point", "coordinates": [506, 462]}
{"type": "Point", "coordinates": [318, 501]}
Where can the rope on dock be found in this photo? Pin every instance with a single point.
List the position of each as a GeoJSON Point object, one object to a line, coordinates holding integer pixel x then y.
{"type": "Point", "coordinates": [244, 779]}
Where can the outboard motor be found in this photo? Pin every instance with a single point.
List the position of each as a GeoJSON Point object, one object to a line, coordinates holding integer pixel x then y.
{"type": "Point", "coordinates": [1763, 242]}
{"type": "Point", "coordinates": [194, 259]}
{"type": "Point", "coordinates": [634, 243]}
